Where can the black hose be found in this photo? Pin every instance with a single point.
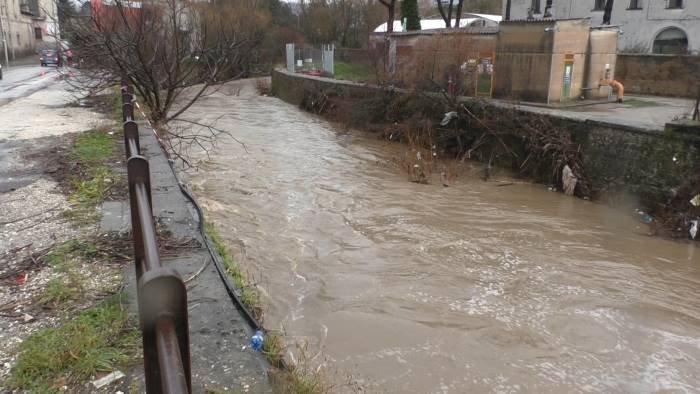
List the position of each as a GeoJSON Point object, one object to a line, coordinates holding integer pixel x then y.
{"type": "Point", "coordinates": [230, 287]}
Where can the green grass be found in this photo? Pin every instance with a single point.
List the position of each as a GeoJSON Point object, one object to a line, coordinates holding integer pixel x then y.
{"type": "Point", "coordinates": [68, 285]}
{"type": "Point", "coordinates": [249, 295]}
{"type": "Point", "coordinates": [94, 146]}
{"type": "Point", "coordinates": [64, 288]}
{"type": "Point", "coordinates": [101, 339]}
{"type": "Point", "coordinates": [91, 150]}
{"type": "Point", "coordinates": [69, 251]}
{"type": "Point", "coordinates": [352, 71]}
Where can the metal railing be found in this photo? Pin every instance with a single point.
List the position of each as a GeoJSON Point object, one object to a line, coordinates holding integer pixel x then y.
{"type": "Point", "coordinates": [162, 296]}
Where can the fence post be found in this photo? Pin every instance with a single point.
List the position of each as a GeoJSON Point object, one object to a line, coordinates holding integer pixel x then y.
{"type": "Point", "coordinates": [137, 171]}
{"type": "Point", "coordinates": [131, 133]}
{"type": "Point", "coordinates": [163, 305]}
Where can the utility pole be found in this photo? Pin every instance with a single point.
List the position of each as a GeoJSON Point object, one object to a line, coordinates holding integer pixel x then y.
{"type": "Point", "coordinates": [3, 9]}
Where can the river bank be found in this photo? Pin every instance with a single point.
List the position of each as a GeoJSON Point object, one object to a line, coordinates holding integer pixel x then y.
{"type": "Point", "coordinates": [410, 287]}
{"type": "Point", "coordinates": [633, 165]}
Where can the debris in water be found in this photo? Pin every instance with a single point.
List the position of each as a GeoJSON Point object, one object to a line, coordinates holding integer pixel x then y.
{"type": "Point", "coordinates": [448, 117]}
{"type": "Point", "coordinates": [646, 218]}
{"type": "Point", "coordinates": [568, 180]}
{"type": "Point", "coordinates": [696, 200]}
{"type": "Point", "coordinates": [256, 342]}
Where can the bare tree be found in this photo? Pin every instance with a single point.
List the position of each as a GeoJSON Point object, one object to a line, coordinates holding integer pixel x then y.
{"type": "Point", "coordinates": [447, 14]}
{"type": "Point", "coordinates": [391, 11]}
{"type": "Point", "coordinates": [171, 51]}
{"type": "Point", "coordinates": [607, 14]}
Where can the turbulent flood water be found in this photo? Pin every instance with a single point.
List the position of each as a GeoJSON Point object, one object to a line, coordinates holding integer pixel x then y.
{"type": "Point", "coordinates": [424, 288]}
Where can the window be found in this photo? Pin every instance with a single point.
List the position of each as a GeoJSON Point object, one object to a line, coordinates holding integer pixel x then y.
{"type": "Point", "coordinates": [536, 7]}
{"type": "Point", "coordinates": [672, 41]}
{"type": "Point", "coordinates": [599, 5]}
{"type": "Point", "coordinates": [635, 5]}
{"type": "Point", "coordinates": [675, 4]}
{"type": "Point", "coordinates": [37, 33]}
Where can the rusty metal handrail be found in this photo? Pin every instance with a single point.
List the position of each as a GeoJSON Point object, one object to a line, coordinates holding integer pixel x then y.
{"type": "Point", "coordinates": [162, 295]}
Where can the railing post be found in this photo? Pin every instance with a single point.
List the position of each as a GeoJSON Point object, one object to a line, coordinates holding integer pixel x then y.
{"type": "Point", "coordinates": [131, 133]}
{"type": "Point", "coordinates": [161, 293]}
{"type": "Point", "coordinates": [163, 312]}
{"type": "Point", "coordinates": [138, 172]}
{"type": "Point", "coordinates": [127, 112]}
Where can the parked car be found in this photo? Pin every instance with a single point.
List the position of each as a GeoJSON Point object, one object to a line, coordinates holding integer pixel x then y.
{"type": "Point", "coordinates": [50, 56]}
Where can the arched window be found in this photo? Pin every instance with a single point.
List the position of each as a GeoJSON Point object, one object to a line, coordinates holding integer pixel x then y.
{"type": "Point", "coordinates": [671, 41]}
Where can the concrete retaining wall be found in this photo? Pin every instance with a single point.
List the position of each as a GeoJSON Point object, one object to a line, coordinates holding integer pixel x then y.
{"type": "Point", "coordinates": [618, 159]}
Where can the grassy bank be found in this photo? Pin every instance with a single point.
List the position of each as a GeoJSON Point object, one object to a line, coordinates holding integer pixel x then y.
{"type": "Point", "coordinates": [298, 378]}
{"type": "Point", "coordinates": [352, 71]}
{"type": "Point", "coordinates": [80, 330]}
{"type": "Point", "coordinates": [91, 177]}
{"type": "Point", "coordinates": [100, 339]}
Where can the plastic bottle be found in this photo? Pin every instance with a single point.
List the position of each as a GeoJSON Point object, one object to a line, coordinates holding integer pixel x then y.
{"type": "Point", "coordinates": [256, 342]}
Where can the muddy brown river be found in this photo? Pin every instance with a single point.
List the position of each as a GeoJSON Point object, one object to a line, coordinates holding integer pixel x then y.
{"type": "Point", "coordinates": [427, 289]}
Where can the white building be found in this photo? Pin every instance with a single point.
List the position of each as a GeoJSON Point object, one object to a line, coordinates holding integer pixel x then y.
{"type": "Point", "coordinates": [467, 20]}
{"type": "Point", "coordinates": [26, 26]}
{"type": "Point", "coordinates": [648, 26]}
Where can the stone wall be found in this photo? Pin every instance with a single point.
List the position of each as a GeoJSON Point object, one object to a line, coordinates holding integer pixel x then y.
{"type": "Point", "coordinates": [661, 75]}
{"type": "Point", "coordinates": [618, 159]}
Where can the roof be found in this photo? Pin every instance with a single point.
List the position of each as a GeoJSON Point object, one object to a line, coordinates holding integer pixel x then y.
{"type": "Point", "coordinates": [434, 24]}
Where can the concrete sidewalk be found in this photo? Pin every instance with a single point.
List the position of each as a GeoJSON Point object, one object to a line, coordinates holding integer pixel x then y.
{"type": "Point", "coordinates": [219, 336]}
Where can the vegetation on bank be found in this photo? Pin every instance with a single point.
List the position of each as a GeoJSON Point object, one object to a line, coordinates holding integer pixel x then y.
{"type": "Point", "coordinates": [356, 72]}
{"type": "Point", "coordinates": [607, 164]}
{"type": "Point", "coordinates": [296, 378]}
{"type": "Point", "coordinates": [92, 180]}
{"type": "Point", "coordinates": [100, 339]}
{"type": "Point", "coordinates": [94, 334]}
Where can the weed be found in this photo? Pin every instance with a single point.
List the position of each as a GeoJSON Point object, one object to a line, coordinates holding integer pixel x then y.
{"type": "Point", "coordinates": [352, 71]}
{"type": "Point", "coordinates": [69, 251]}
{"type": "Point", "coordinates": [93, 146]}
{"type": "Point", "coordinates": [249, 294]}
{"type": "Point", "coordinates": [62, 289]}
{"type": "Point", "coordinates": [98, 340]}
{"type": "Point", "coordinates": [93, 181]}
{"type": "Point", "coordinates": [300, 377]}
{"type": "Point", "coordinates": [273, 347]}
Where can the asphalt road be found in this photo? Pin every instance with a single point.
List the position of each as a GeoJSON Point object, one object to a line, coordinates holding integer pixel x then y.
{"type": "Point", "coordinates": [21, 81]}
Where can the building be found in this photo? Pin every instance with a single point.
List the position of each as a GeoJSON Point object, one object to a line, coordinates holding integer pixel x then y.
{"type": "Point", "coordinates": [467, 20]}
{"type": "Point", "coordinates": [647, 26]}
{"type": "Point", "coordinates": [27, 26]}
{"type": "Point", "coordinates": [554, 61]}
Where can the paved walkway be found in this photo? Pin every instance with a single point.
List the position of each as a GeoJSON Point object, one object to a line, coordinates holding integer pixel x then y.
{"type": "Point", "coordinates": [649, 113]}
{"type": "Point", "coordinates": [219, 335]}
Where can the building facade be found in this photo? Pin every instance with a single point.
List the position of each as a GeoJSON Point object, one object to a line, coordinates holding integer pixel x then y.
{"type": "Point", "coordinates": [647, 26]}
{"type": "Point", "coordinates": [27, 26]}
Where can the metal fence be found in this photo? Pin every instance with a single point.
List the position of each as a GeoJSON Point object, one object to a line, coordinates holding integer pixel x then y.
{"type": "Point", "coordinates": [310, 60]}
{"type": "Point", "coordinates": [162, 296]}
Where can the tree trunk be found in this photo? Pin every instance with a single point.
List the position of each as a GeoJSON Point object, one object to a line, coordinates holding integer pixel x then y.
{"type": "Point", "coordinates": [508, 10]}
{"type": "Point", "coordinates": [445, 17]}
{"type": "Point", "coordinates": [459, 13]}
{"type": "Point", "coordinates": [607, 15]}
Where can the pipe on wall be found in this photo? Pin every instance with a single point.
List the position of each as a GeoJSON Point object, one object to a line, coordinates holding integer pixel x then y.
{"type": "Point", "coordinates": [616, 85]}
